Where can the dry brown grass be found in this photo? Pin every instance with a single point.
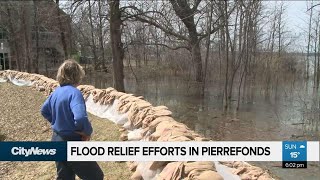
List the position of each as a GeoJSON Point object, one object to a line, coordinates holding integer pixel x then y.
{"type": "Point", "coordinates": [20, 120]}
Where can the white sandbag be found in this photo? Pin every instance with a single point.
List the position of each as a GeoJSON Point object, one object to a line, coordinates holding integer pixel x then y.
{"type": "Point", "coordinates": [106, 111]}
{"type": "Point", "coordinates": [20, 82]}
{"type": "Point", "coordinates": [2, 80]}
{"type": "Point", "coordinates": [135, 135]}
{"type": "Point", "coordinates": [225, 172]}
{"type": "Point", "coordinates": [146, 173]}
{"type": "Point", "coordinates": [127, 125]}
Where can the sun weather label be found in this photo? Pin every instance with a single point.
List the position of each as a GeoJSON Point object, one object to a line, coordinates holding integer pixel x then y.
{"type": "Point", "coordinates": [294, 154]}
{"type": "Point", "coordinates": [33, 151]}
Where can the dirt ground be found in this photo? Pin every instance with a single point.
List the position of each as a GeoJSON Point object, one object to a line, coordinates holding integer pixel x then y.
{"type": "Point", "coordinates": [20, 120]}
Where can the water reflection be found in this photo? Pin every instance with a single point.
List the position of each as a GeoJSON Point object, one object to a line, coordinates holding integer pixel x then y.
{"type": "Point", "coordinates": [291, 112]}
{"type": "Point", "coordinates": [284, 114]}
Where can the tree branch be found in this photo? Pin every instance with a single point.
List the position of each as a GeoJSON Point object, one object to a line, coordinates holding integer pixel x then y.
{"type": "Point", "coordinates": [313, 6]}
{"type": "Point", "coordinates": [139, 14]}
{"type": "Point", "coordinates": [196, 4]}
{"type": "Point", "coordinates": [163, 28]}
{"type": "Point", "coordinates": [143, 17]}
{"type": "Point", "coordinates": [219, 26]}
{"type": "Point", "coordinates": [160, 44]}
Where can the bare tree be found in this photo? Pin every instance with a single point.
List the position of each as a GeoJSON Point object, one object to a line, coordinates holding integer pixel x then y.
{"type": "Point", "coordinates": [103, 59]}
{"type": "Point", "coordinates": [186, 14]}
{"type": "Point", "coordinates": [93, 44]}
{"type": "Point", "coordinates": [309, 39]}
{"type": "Point", "coordinates": [62, 31]}
{"type": "Point", "coordinates": [210, 13]}
{"type": "Point", "coordinates": [27, 32]}
{"type": "Point", "coordinates": [36, 28]}
{"type": "Point", "coordinates": [13, 34]}
{"type": "Point", "coordinates": [116, 44]}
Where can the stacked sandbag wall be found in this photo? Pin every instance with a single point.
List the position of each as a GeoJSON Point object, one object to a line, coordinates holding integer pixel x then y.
{"type": "Point", "coordinates": [140, 121]}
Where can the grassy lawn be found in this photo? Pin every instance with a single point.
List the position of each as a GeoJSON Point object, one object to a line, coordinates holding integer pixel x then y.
{"type": "Point", "coordinates": [20, 120]}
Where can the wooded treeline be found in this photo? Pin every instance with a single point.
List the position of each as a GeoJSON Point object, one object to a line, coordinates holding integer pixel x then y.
{"type": "Point", "coordinates": [236, 44]}
{"type": "Point", "coordinates": [313, 47]}
{"type": "Point", "coordinates": [35, 33]}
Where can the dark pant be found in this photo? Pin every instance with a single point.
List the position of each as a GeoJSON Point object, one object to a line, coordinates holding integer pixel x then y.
{"type": "Point", "coordinates": [85, 170]}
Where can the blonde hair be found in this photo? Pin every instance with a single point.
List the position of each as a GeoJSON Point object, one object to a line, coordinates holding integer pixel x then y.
{"type": "Point", "coordinates": [70, 72]}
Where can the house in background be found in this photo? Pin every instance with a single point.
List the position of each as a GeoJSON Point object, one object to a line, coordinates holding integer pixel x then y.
{"type": "Point", "coordinates": [4, 49]}
{"type": "Point", "coordinates": [30, 31]}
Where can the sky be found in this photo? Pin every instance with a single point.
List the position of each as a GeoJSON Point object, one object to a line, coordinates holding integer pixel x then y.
{"type": "Point", "coordinates": [296, 20]}
{"type": "Point", "coordinates": [296, 13]}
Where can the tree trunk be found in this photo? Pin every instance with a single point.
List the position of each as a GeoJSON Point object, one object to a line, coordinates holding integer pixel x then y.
{"type": "Point", "coordinates": [234, 64]}
{"type": "Point", "coordinates": [13, 40]}
{"type": "Point", "coordinates": [26, 31]}
{"type": "Point", "coordinates": [315, 53]}
{"type": "Point", "coordinates": [101, 38]}
{"type": "Point", "coordinates": [186, 14]}
{"type": "Point", "coordinates": [116, 44]}
{"type": "Point", "coordinates": [210, 12]}
{"type": "Point", "coordinates": [62, 35]}
{"type": "Point", "coordinates": [36, 24]}
{"type": "Point", "coordinates": [318, 59]}
{"type": "Point", "coordinates": [226, 50]}
{"type": "Point", "coordinates": [309, 42]}
{"type": "Point", "coordinates": [196, 58]}
{"type": "Point", "coordinates": [93, 46]}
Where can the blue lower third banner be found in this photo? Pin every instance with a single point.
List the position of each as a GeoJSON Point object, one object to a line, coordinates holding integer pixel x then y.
{"type": "Point", "coordinates": [293, 154]}
{"type": "Point", "coordinates": [33, 151]}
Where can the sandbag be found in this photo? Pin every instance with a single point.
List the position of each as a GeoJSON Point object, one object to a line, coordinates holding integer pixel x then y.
{"type": "Point", "coordinates": [172, 171]}
{"type": "Point", "coordinates": [136, 176]}
{"type": "Point", "coordinates": [200, 165]}
{"type": "Point", "coordinates": [135, 135]}
{"type": "Point", "coordinates": [146, 173]}
{"type": "Point", "coordinates": [197, 174]}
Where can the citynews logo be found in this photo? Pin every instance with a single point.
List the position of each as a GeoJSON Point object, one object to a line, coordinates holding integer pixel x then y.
{"type": "Point", "coordinates": [21, 151]}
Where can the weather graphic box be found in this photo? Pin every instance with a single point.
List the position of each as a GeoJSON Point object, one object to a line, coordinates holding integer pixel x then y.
{"type": "Point", "coordinates": [294, 154]}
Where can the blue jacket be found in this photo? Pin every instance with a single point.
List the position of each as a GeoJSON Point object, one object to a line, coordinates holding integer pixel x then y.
{"type": "Point", "coordinates": [65, 109]}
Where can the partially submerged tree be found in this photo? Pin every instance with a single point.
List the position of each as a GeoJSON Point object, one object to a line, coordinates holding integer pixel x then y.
{"type": "Point", "coordinates": [187, 13]}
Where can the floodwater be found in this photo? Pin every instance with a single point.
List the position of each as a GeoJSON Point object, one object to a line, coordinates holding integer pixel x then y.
{"type": "Point", "coordinates": [292, 113]}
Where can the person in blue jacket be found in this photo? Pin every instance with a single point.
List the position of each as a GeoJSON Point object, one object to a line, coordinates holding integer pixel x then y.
{"type": "Point", "coordinates": [65, 109]}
